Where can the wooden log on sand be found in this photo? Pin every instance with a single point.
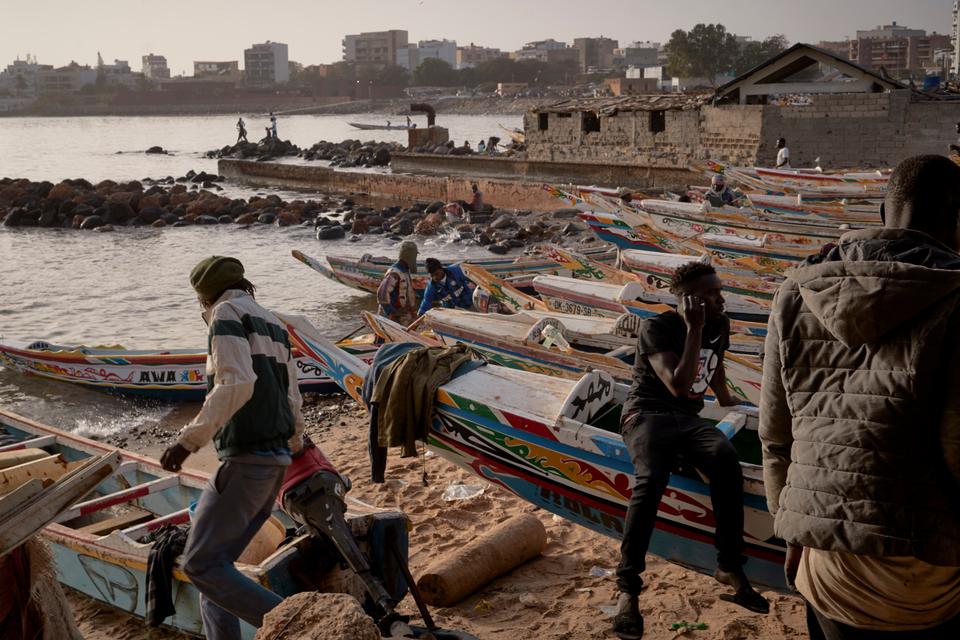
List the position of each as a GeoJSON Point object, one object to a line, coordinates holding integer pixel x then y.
{"type": "Point", "coordinates": [455, 576]}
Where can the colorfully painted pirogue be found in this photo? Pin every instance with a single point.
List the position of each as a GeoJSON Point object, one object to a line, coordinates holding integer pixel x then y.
{"type": "Point", "coordinates": [553, 442]}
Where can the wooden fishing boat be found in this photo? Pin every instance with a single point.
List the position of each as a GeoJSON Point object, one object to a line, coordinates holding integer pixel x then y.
{"type": "Point", "coordinates": [101, 545]}
{"type": "Point", "coordinates": [554, 443]}
{"type": "Point", "coordinates": [598, 299]}
{"type": "Point", "coordinates": [381, 127]}
{"type": "Point", "coordinates": [366, 273]}
{"type": "Point", "coordinates": [173, 375]}
{"type": "Point", "coordinates": [862, 184]}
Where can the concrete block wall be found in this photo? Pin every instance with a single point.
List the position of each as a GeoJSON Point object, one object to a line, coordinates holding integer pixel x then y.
{"type": "Point", "coordinates": [842, 130]}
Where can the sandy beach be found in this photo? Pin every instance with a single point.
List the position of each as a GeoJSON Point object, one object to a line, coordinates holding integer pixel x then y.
{"type": "Point", "coordinates": [563, 595]}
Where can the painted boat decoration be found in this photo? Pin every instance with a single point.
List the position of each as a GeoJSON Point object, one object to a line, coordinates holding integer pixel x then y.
{"type": "Point", "coordinates": [863, 184]}
{"type": "Point", "coordinates": [366, 273]}
{"type": "Point", "coordinates": [101, 544]}
{"type": "Point", "coordinates": [554, 443]}
{"type": "Point", "coordinates": [174, 374]}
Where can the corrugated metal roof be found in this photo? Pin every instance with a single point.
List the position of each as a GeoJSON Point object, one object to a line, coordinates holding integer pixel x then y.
{"type": "Point", "coordinates": [610, 106]}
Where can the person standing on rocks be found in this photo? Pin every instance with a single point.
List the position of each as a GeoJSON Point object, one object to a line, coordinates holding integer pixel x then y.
{"type": "Point", "coordinates": [241, 131]}
{"type": "Point", "coordinates": [396, 295]}
{"type": "Point", "coordinates": [273, 125]}
{"type": "Point", "coordinates": [252, 413]}
{"type": "Point", "coordinates": [860, 418]}
{"type": "Point", "coordinates": [448, 286]}
{"type": "Point", "coordinates": [679, 356]}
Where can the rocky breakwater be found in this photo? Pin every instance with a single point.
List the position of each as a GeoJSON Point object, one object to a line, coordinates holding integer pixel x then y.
{"type": "Point", "coordinates": [499, 230]}
{"type": "Point", "coordinates": [349, 153]}
{"type": "Point", "coordinates": [78, 204]}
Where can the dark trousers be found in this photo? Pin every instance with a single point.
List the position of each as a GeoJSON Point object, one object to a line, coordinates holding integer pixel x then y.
{"type": "Point", "coordinates": [655, 442]}
{"type": "Point", "coordinates": [235, 504]}
{"type": "Point", "coordinates": [821, 627]}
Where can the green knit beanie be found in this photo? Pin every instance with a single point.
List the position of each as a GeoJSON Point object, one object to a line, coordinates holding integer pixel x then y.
{"type": "Point", "coordinates": [408, 253]}
{"type": "Point", "coordinates": [214, 274]}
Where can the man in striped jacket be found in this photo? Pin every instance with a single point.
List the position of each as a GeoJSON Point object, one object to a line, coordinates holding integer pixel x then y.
{"type": "Point", "coordinates": [252, 413]}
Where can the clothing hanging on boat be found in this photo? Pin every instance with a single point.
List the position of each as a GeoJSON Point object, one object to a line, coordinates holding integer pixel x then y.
{"type": "Point", "coordinates": [386, 355]}
{"type": "Point", "coordinates": [167, 545]}
{"type": "Point", "coordinates": [405, 390]}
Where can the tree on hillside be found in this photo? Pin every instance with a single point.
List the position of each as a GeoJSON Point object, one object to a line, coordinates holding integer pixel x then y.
{"type": "Point", "coordinates": [705, 51]}
{"type": "Point", "coordinates": [753, 54]}
{"type": "Point", "coordinates": [434, 72]}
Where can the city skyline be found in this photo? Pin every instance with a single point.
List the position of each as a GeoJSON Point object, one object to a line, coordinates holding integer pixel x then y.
{"type": "Point", "coordinates": [207, 31]}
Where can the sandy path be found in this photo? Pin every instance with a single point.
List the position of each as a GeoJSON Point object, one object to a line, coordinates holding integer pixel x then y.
{"type": "Point", "coordinates": [551, 598]}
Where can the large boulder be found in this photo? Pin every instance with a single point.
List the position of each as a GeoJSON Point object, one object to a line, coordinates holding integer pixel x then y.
{"type": "Point", "coordinates": [62, 191]}
{"type": "Point", "coordinates": [119, 212]}
{"type": "Point", "coordinates": [332, 232]}
{"type": "Point", "coordinates": [149, 215]}
{"type": "Point", "coordinates": [92, 222]}
{"type": "Point", "coordinates": [156, 150]}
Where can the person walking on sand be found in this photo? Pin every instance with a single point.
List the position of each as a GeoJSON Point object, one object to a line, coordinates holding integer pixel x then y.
{"type": "Point", "coordinates": [273, 125]}
{"type": "Point", "coordinates": [860, 418]}
{"type": "Point", "coordinates": [241, 130]}
{"type": "Point", "coordinates": [679, 355]}
{"type": "Point", "coordinates": [395, 295]}
{"type": "Point", "coordinates": [252, 413]}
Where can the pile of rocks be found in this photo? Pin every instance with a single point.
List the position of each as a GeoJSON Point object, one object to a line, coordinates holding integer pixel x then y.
{"type": "Point", "coordinates": [266, 149]}
{"type": "Point", "coordinates": [499, 230]}
{"type": "Point", "coordinates": [78, 204]}
{"type": "Point", "coordinates": [353, 153]}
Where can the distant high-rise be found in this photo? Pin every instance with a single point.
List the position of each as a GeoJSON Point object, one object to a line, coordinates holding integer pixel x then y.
{"type": "Point", "coordinates": [374, 47]}
{"type": "Point", "coordinates": [595, 53]}
{"type": "Point", "coordinates": [955, 38]}
{"type": "Point", "coordinates": [469, 57]}
{"type": "Point", "coordinates": [266, 64]}
{"type": "Point", "coordinates": [413, 55]}
{"type": "Point", "coordinates": [901, 51]}
{"type": "Point", "coordinates": [155, 67]}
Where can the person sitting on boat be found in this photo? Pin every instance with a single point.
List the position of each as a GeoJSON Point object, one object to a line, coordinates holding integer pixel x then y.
{"type": "Point", "coordinates": [448, 286]}
{"type": "Point", "coordinates": [783, 154]}
{"type": "Point", "coordinates": [679, 356]}
{"type": "Point", "coordinates": [252, 413]}
{"type": "Point", "coordinates": [860, 421]}
{"type": "Point", "coordinates": [720, 193]}
{"type": "Point", "coordinates": [481, 147]}
{"type": "Point", "coordinates": [395, 294]}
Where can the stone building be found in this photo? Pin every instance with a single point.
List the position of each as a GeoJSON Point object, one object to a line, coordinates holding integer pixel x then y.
{"type": "Point", "coordinates": [266, 64]}
{"type": "Point", "coordinates": [826, 107]}
{"type": "Point", "coordinates": [374, 48]}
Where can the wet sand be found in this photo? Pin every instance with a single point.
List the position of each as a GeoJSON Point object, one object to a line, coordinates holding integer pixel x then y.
{"type": "Point", "coordinates": [560, 596]}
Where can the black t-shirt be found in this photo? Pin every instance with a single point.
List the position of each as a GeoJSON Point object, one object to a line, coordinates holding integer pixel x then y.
{"type": "Point", "coordinates": [668, 332]}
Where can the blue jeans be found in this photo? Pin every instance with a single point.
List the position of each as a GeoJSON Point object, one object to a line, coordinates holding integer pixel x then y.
{"type": "Point", "coordinates": [235, 504]}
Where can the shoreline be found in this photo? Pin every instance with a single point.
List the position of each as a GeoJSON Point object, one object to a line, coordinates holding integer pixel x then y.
{"type": "Point", "coordinates": [562, 595]}
{"type": "Point", "coordinates": [445, 105]}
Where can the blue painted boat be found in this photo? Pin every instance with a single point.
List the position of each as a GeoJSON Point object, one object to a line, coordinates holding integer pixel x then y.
{"type": "Point", "coordinates": [555, 443]}
{"type": "Point", "coordinates": [101, 545]}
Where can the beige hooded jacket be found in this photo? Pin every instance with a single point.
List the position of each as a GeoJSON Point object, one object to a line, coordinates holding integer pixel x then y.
{"type": "Point", "coordinates": [860, 406]}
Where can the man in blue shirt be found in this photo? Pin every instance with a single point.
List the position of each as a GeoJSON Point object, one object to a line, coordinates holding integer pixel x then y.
{"type": "Point", "coordinates": [448, 286]}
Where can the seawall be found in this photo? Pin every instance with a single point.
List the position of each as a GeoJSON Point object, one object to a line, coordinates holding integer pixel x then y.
{"type": "Point", "coordinates": [403, 188]}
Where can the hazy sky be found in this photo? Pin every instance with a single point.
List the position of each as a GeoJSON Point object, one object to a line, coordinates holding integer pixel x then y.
{"type": "Point", "coordinates": [57, 31]}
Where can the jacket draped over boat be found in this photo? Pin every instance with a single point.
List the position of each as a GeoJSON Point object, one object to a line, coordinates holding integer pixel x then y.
{"type": "Point", "coordinates": [405, 390]}
{"type": "Point", "coordinates": [860, 409]}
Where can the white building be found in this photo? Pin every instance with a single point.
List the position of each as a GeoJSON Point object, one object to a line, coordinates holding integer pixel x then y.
{"type": "Point", "coordinates": [413, 55]}
{"type": "Point", "coordinates": [20, 76]}
{"type": "Point", "coordinates": [266, 64]}
{"type": "Point", "coordinates": [955, 39]}
{"type": "Point", "coordinates": [155, 67]}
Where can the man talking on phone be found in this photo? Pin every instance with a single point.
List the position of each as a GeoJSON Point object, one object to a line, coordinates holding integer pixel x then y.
{"type": "Point", "coordinates": [679, 355]}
